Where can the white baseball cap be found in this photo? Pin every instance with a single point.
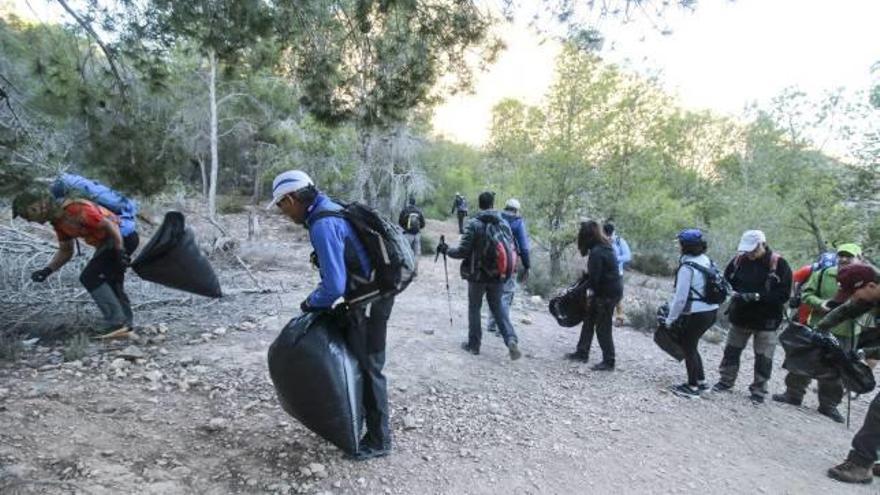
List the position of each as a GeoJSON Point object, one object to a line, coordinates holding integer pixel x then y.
{"type": "Point", "coordinates": [288, 182]}
{"type": "Point", "coordinates": [512, 204]}
{"type": "Point", "coordinates": [750, 240]}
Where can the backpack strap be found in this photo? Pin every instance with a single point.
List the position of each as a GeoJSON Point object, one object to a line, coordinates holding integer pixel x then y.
{"type": "Point", "coordinates": [696, 267]}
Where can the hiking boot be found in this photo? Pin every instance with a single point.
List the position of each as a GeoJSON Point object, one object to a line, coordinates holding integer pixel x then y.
{"type": "Point", "coordinates": [786, 399]}
{"type": "Point", "coordinates": [111, 333]}
{"type": "Point", "coordinates": [702, 387]}
{"type": "Point", "coordinates": [686, 391]}
{"type": "Point", "coordinates": [876, 469]}
{"type": "Point", "coordinates": [367, 453]}
{"type": "Point", "coordinates": [831, 412]}
{"type": "Point", "coordinates": [721, 387]}
{"type": "Point", "coordinates": [603, 366]}
{"type": "Point", "coordinates": [514, 351]}
{"type": "Point", "coordinates": [757, 399]}
{"type": "Point", "coordinates": [578, 356]}
{"type": "Point", "coordinates": [472, 350]}
{"type": "Point", "coordinates": [850, 472]}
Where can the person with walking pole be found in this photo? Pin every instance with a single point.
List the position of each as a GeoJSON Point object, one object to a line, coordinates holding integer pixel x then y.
{"type": "Point", "coordinates": [488, 258]}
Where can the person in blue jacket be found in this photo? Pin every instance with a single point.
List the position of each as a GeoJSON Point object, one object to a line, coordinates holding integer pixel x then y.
{"type": "Point", "coordinates": [512, 214]}
{"type": "Point", "coordinates": [624, 256]}
{"type": "Point", "coordinates": [343, 263]}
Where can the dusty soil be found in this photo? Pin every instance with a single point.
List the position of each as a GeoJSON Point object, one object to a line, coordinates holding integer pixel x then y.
{"type": "Point", "coordinates": [191, 408]}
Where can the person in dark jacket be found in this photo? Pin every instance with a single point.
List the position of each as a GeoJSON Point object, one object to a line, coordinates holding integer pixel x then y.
{"type": "Point", "coordinates": [412, 221]}
{"type": "Point", "coordinates": [604, 291]}
{"type": "Point", "coordinates": [761, 281]}
{"type": "Point", "coordinates": [859, 294]}
{"type": "Point", "coordinates": [460, 208]}
{"type": "Point", "coordinates": [343, 263]}
{"type": "Point", "coordinates": [511, 214]}
{"type": "Point", "coordinates": [689, 314]}
{"type": "Point", "coordinates": [480, 281]}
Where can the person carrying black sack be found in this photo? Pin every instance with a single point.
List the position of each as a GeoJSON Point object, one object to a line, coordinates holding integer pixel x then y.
{"type": "Point", "coordinates": [761, 280]}
{"type": "Point", "coordinates": [412, 221]}
{"type": "Point", "coordinates": [689, 313]}
{"type": "Point", "coordinates": [482, 279]}
{"type": "Point", "coordinates": [344, 264]}
{"type": "Point", "coordinates": [604, 291]}
{"type": "Point", "coordinates": [460, 208]}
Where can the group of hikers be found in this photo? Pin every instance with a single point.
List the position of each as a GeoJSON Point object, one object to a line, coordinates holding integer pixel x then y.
{"type": "Point", "coordinates": [829, 295]}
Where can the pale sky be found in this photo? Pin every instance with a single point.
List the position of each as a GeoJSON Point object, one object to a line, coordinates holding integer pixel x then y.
{"type": "Point", "coordinates": [720, 57]}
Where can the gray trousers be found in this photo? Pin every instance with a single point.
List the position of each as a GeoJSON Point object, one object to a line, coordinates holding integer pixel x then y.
{"type": "Point", "coordinates": [764, 342]}
{"type": "Point", "coordinates": [506, 299]}
{"type": "Point", "coordinates": [415, 242]}
{"type": "Point", "coordinates": [830, 391]}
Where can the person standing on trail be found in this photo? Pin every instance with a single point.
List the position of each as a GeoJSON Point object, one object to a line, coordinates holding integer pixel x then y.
{"type": "Point", "coordinates": [624, 256]}
{"type": "Point", "coordinates": [104, 275]}
{"type": "Point", "coordinates": [761, 281]}
{"type": "Point", "coordinates": [485, 233]}
{"type": "Point", "coordinates": [412, 221]}
{"type": "Point", "coordinates": [858, 294]}
{"type": "Point", "coordinates": [818, 294]}
{"type": "Point", "coordinates": [343, 263]}
{"type": "Point", "coordinates": [460, 208]}
{"type": "Point", "coordinates": [604, 290]}
{"type": "Point", "coordinates": [689, 313]}
{"type": "Point", "coordinates": [511, 215]}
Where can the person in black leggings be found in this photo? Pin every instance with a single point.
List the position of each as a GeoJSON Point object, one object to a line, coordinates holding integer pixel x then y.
{"type": "Point", "coordinates": [689, 315]}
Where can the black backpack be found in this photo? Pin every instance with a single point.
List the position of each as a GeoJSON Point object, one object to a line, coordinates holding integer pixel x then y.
{"type": "Point", "coordinates": [496, 250]}
{"type": "Point", "coordinates": [717, 288]}
{"type": "Point", "coordinates": [389, 252]}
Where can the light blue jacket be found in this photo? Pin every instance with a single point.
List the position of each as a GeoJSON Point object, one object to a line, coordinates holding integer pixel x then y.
{"type": "Point", "coordinates": [338, 250]}
{"type": "Point", "coordinates": [621, 250]}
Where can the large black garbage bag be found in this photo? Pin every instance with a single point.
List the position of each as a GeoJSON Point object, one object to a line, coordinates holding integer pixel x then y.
{"type": "Point", "coordinates": [819, 356]}
{"type": "Point", "coordinates": [173, 259]}
{"type": "Point", "coordinates": [667, 339]}
{"type": "Point", "coordinates": [569, 307]}
{"type": "Point", "coordinates": [317, 378]}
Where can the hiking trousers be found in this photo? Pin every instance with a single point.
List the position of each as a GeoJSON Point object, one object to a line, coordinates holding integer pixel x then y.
{"type": "Point", "coordinates": [764, 342]}
{"type": "Point", "coordinates": [690, 329]}
{"type": "Point", "coordinates": [462, 214]}
{"type": "Point", "coordinates": [830, 391]}
{"type": "Point", "coordinates": [366, 337]}
{"type": "Point", "coordinates": [104, 268]}
{"type": "Point", "coordinates": [415, 243]}
{"type": "Point", "coordinates": [598, 321]}
{"type": "Point", "coordinates": [492, 291]}
{"type": "Point", "coordinates": [506, 299]}
{"type": "Point", "coordinates": [867, 439]}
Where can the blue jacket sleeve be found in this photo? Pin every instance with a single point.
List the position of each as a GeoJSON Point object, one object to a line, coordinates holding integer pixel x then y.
{"type": "Point", "coordinates": [330, 247]}
{"type": "Point", "coordinates": [624, 255]}
{"type": "Point", "coordinates": [522, 242]}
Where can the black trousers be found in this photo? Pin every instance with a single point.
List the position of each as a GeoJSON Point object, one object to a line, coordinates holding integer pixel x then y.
{"type": "Point", "coordinates": [366, 339]}
{"type": "Point", "coordinates": [867, 440]}
{"type": "Point", "coordinates": [461, 216]}
{"type": "Point", "coordinates": [690, 329]}
{"type": "Point", "coordinates": [598, 321]}
{"type": "Point", "coordinates": [104, 265]}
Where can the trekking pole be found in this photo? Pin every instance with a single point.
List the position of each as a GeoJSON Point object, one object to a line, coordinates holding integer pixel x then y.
{"type": "Point", "coordinates": [852, 346]}
{"type": "Point", "coordinates": [446, 273]}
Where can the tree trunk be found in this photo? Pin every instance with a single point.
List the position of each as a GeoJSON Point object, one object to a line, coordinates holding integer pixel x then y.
{"type": "Point", "coordinates": [204, 172]}
{"type": "Point", "coordinates": [215, 165]}
{"type": "Point", "coordinates": [555, 261]}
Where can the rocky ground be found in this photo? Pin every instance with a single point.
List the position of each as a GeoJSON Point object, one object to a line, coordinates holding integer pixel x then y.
{"type": "Point", "coordinates": [188, 406]}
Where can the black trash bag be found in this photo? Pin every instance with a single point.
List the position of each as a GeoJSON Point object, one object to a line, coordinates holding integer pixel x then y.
{"type": "Point", "coordinates": [173, 259]}
{"type": "Point", "coordinates": [819, 356]}
{"type": "Point", "coordinates": [667, 339]}
{"type": "Point", "coordinates": [569, 307]}
{"type": "Point", "coordinates": [317, 378]}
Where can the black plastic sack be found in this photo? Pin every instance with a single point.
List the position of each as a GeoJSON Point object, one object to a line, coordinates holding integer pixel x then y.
{"type": "Point", "coordinates": [818, 356]}
{"type": "Point", "coordinates": [667, 340]}
{"type": "Point", "coordinates": [317, 379]}
{"type": "Point", "coordinates": [173, 259]}
{"type": "Point", "coordinates": [569, 307]}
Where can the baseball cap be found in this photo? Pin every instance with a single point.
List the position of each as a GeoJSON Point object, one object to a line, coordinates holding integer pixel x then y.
{"type": "Point", "coordinates": [288, 182]}
{"type": "Point", "coordinates": [690, 236]}
{"type": "Point", "coordinates": [750, 240]}
{"type": "Point", "coordinates": [850, 248]}
{"type": "Point", "coordinates": [851, 278]}
{"type": "Point", "coordinates": [512, 204]}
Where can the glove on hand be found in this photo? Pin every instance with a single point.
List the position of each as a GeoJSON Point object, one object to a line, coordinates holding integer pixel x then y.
{"type": "Point", "coordinates": [41, 274]}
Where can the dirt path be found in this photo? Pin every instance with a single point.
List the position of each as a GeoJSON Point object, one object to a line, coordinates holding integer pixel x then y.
{"type": "Point", "coordinates": [197, 414]}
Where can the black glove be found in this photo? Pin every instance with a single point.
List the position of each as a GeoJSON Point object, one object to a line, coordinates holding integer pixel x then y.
{"type": "Point", "coordinates": [442, 247]}
{"type": "Point", "coordinates": [748, 296]}
{"type": "Point", "coordinates": [41, 274]}
{"type": "Point", "coordinates": [794, 302]}
{"type": "Point", "coordinates": [662, 313]}
{"type": "Point", "coordinates": [305, 307]}
{"type": "Point", "coordinates": [524, 276]}
{"type": "Point", "coordinates": [313, 259]}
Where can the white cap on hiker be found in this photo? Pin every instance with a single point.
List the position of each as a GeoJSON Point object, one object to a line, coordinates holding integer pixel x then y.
{"type": "Point", "coordinates": [512, 204]}
{"type": "Point", "coordinates": [750, 241]}
{"type": "Point", "coordinates": [288, 182]}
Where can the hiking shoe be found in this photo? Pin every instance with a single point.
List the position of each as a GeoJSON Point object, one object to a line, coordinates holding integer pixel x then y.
{"type": "Point", "coordinates": [850, 472]}
{"type": "Point", "coordinates": [756, 399]}
{"type": "Point", "coordinates": [686, 391]}
{"type": "Point", "coordinates": [702, 387]}
{"type": "Point", "coordinates": [367, 453]}
{"type": "Point", "coordinates": [786, 399]}
{"type": "Point", "coordinates": [603, 366]}
{"type": "Point", "coordinates": [119, 333]}
{"type": "Point", "coordinates": [876, 469]}
{"type": "Point", "coordinates": [578, 356]}
{"type": "Point", "coordinates": [514, 351]}
{"type": "Point", "coordinates": [472, 350]}
{"type": "Point", "coordinates": [721, 387]}
{"type": "Point", "coordinates": [831, 412]}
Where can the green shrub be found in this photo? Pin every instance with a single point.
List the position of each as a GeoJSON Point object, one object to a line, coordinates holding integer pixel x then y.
{"type": "Point", "coordinates": [642, 317]}
{"type": "Point", "coordinates": [651, 264]}
{"type": "Point", "coordinates": [230, 205]}
{"type": "Point", "coordinates": [429, 245]}
{"type": "Point", "coordinates": [10, 346]}
{"type": "Point", "coordinates": [76, 347]}
{"type": "Point", "coordinates": [540, 283]}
